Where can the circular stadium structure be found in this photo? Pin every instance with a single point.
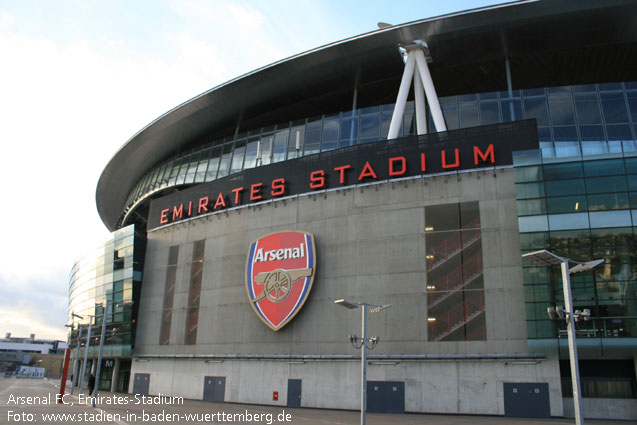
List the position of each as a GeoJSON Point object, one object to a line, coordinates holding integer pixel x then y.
{"type": "Point", "coordinates": [410, 166]}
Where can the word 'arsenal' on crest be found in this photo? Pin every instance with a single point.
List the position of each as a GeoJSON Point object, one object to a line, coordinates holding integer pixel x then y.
{"type": "Point", "coordinates": [279, 275]}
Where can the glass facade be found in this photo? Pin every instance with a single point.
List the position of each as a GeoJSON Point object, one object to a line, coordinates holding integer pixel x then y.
{"type": "Point", "coordinates": [574, 122]}
{"type": "Point", "coordinates": [455, 284]}
{"type": "Point", "coordinates": [111, 272]}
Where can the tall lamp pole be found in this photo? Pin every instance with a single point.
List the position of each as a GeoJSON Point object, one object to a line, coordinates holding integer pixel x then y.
{"type": "Point", "coordinates": [99, 360]}
{"type": "Point", "coordinates": [88, 342]}
{"type": "Point", "coordinates": [77, 353]}
{"type": "Point", "coordinates": [546, 258]}
{"type": "Point", "coordinates": [362, 344]}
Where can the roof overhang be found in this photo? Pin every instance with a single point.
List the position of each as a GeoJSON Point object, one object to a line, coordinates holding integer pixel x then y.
{"type": "Point", "coordinates": [548, 42]}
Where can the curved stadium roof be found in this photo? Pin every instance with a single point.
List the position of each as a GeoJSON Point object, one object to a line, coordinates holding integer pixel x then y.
{"type": "Point", "coordinates": [549, 43]}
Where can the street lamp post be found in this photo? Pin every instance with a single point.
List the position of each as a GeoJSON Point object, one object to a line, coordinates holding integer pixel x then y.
{"type": "Point", "coordinates": [546, 258]}
{"type": "Point", "coordinates": [77, 352]}
{"type": "Point", "coordinates": [363, 345]}
{"type": "Point", "coordinates": [99, 360]}
{"type": "Point", "coordinates": [88, 342]}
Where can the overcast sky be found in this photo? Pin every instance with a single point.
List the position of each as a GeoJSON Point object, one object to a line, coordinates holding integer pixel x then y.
{"type": "Point", "coordinates": [79, 77]}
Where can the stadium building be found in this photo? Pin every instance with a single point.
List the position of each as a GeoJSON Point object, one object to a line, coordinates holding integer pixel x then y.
{"type": "Point", "coordinates": [411, 166]}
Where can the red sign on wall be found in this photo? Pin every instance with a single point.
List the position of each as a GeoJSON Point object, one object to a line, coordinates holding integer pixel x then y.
{"type": "Point", "coordinates": [279, 275]}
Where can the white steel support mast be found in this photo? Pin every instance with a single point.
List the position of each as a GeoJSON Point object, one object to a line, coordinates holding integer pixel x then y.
{"type": "Point", "coordinates": [416, 69]}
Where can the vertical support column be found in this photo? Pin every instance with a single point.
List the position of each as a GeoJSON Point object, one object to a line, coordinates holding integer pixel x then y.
{"type": "Point", "coordinates": [401, 99]}
{"type": "Point", "coordinates": [572, 345]}
{"type": "Point", "coordinates": [421, 110]}
{"type": "Point", "coordinates": [88, 342]}
{"type": "Point", "coordinates": [507, 65]}
{"type": "Point", "coordinates": [115, 375]}
{"type": "Point", "coordinates": [430, 90]}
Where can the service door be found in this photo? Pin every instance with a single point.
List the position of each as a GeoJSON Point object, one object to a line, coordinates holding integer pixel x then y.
{"type": "Point", "coordinates": [294, 393]}
{"type": "Point", "coordinates": [385, 397]}
{"type": "Point", "coordinates": [214, 389]}
{"type": "Point", "coordinates": [527, 400]}
{"type": "Point", "coordinates": [141, 383]}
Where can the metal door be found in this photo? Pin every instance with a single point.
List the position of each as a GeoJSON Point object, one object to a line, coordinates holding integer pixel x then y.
{"type": "Point", "coordinates": [527, 400]}
{"type": "Point", "coordinates": [385, 397]}
{"type": "Point", "coordinates": [294, 393]}
{"type": "Point", "coordinates": [214, 389]}
{"type": "Point", "coordinates": [141, 384]}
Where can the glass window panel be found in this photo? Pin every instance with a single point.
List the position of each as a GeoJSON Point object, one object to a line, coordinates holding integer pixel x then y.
{"type": "Point", "coordinates": [250, 160]}
{"type": "Point", "coordinates": [614, 108]}
{"type": "Point", "coordinates": [632, 105]}
{"type": "Point", "coordinates": [384, 125]}
{"type": "Point", "coordinates": [370, 128]}
{"type": "Point", "coordinates": [546, 142]}
{"type": "Point", "coordinates": [280, 143]}
{"type": "Point", "coordinates": [632, 181]}
{"type": "Point", "coordinates": [566, 142]}
{"type": "Point", "coordinates": [237, 156]}
{"type": "Point", "coordinates": [489, 112]}
{"type": "Point", "coordinates": [568, 221]}
{"type": "Point", "coordinates": [593, 140]}
{"type": "Point", "coordinates": [566, 204]}
{"type": "Point", "coordinates": [224, 164]}
{"type": "Point", "coordinates": [610, 219]}
{"type": "Point", "coordinates": [536, 108]}
{"type": "Point", "coordinates": [587, 107]}
{"type": "Point", "coordinates": [559, 91]}
{"type": "Point", "coordinates": [469, 215]}
{"type": "Point", "coordinates": [409, 122]}
{"type": "Point", "coordinates": [631, 165]}
{"type": "Point", "coordinates": [529, 190]}
{"type": "Point", "coordinates": [563, 171]}
{"type": "Point", "coordinates": [531, 207]}
{"type": "Point", "coordinates": [330, 133]}
{"type": "Point", "coordinates": [618, 136]}
{"type": "Point", "coordinates": [467, 97]}
{"type": "Point", "coordinates": [511, 110]}
{"type": "Point", "coordinates": [528, 174]}
{"type": "Point", "coordinates": [442, 217]}
{"type": "Point", "coordinates": [565, 187]}
{"type": "Point", "coordinates": [213, 164]}
{"type": "Point", "coordinates": [450, 112]}
{"type": "Point", "coordinates": [604, 168]}
{"type": "Point", "coordinates": [584, 88]}
{"type": "Point", "coordinates": [313, 130]}
{"type": "Point", "coordinates": [575, 244]}
{"type": "Point", "coordinates": [633, 199]}
{"type": "Point", "coordinates": [349, 131]}
{"type": "Point", "coordinates": [610, 86]}
{"type": "Point", "coordinates": [606, 184]}
{"type": "Point", "coordinates": [533, 92]}
{"type": "Point", "coordinates": [609, 201]}
{"type": "Point", "coordinates": [561, 111]}
{"type": "Point", "coordinates": [489, 95]}
{"type": "Point", "coordinates": [534, 241]}
{"type": "Point", "coordinates": [630, 146]}
{"type": "Point", "coordinates": [266, 150]}
{"type": "Point", "coordinates": [536, 223]}
{"type": "Point", "coordinates": [295, 145]}
{"type": "Point", "coordinates": [469, 114]}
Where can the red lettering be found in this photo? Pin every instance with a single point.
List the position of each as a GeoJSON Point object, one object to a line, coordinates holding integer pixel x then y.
{"type": "Point", "coordinates": [317, 179]}
{"type": "Point", "coordinates": [341, 170]}
{"type": "Point", "coordinates": [237, 193]}
{"type": "Point", "coordinates": [477, 153]}
{"type": "Point", "coordinates": [456, 164]}
{"type": "Point", "coordinates": [164, 216]}
{"type": "Point", "coordinates": [203, 204]}
{"type": "Point", "coordinates": [221, 201]}
{"type": "Point", "coordinates": [189, 208]}
{"type": "Point", "coordinates": [423, 163]}
{"type": "Point", "coordinates": [278, 187]}
{"type": "Point", "coordinates": [368, 171]}
{"type": "Point", "coordinates": [403, 166]}
{"type": "Point", "coordinates": [255, 192]}
{"type": "Point", "coordinates": [178, 212]}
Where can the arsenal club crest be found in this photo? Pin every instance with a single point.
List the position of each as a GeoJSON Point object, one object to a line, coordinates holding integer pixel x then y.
{"type": "Point", "coordinates": [279, 275]}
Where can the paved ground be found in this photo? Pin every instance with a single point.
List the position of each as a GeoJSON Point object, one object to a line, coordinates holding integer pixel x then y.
{"type": "Point", "coordinates": [15, 407]}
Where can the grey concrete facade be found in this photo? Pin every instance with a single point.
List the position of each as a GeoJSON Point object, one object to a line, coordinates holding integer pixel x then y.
{"type": "Point", "coordinates": [370, 243]}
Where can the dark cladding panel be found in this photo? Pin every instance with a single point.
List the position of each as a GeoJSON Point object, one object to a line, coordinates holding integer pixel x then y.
{"type": "Point", "coordinates": [452, 151]}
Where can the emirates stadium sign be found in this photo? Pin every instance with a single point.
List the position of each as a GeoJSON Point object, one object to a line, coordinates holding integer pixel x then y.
{"type": "Point", "coordinates": [279, 275]}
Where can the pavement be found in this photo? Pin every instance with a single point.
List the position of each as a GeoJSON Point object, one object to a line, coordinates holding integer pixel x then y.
{"type": "Point", "coordinates": [33, 401]}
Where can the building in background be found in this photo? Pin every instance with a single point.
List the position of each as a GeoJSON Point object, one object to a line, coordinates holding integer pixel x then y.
{"type": "Point", "coordinates": [16, 352]}
{"type": "Point", "coordinates": [540, 103]}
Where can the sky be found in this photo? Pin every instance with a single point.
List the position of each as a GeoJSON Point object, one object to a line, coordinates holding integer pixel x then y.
{"type": "Point", "coordinates": [78, 78]}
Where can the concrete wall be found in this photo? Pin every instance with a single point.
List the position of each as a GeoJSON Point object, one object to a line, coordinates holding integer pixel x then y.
{"type": "Point", "coordinates": [604, 408]}
{"type": "Point", "coordinates": [370, 244]}
{"type": "Point", "coordinates": [433, 386]}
